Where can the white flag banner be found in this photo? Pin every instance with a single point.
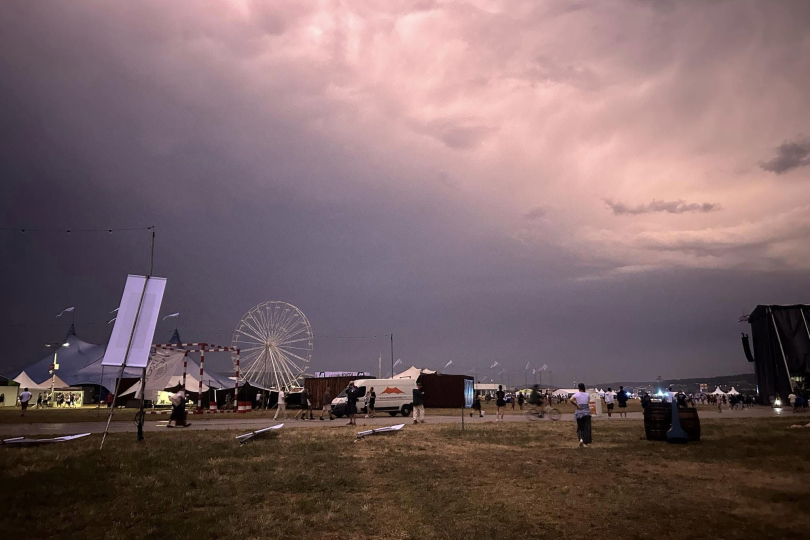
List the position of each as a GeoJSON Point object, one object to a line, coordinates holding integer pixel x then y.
{"type": "Point", "coordinates": [493, 366]}
{"type": "Point", "coordinates": [398, 362]}
{"type": "Point", "coordinates": [545, 367]}
{"type": "Point", "coordinates": [448, 364]}
{"type": "Point", "coordinates": [66, 310]}
{"type": "Point", "coordinates": [135, 324]}
{"type": "Point", "coordinates": [527, 367]}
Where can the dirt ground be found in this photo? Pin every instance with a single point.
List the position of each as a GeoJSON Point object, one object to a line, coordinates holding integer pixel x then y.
{"type": "Point", "coordinates": [747, 478]}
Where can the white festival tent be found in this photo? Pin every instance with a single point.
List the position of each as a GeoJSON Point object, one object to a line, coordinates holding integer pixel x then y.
{"type": "Point", "coordinates": [565, 392]}
{"type": "Point", "coordinates": [733, 392]}
{"type": "Point", "coordinates": [718, 392]}
{"type": "Point", "coordinates": [413, 373]}
{"type": "Point", "coordinates": [26, 382]}
{"type": "Point", "coordinates": [166, 371]}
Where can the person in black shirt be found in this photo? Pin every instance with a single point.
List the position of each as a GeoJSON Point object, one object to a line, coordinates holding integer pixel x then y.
{"type": "Point", "coordinates": [352, 395]}
{"type": "Point", "coordinates": [500, 402]}
{"type": "Point", "coordinates": [621, 397]}
{"type": "Point", "coordinates": [371, 401]}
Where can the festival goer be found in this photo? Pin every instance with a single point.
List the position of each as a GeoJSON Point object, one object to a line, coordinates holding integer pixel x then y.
{"type": "Point", "coordinates": [39, 401]}
{"type": "Point", "coordinates": [418, 404]}
{"type": "Point", "coordinates": [25, 397]}
{"type": "Point", "coordinates": [351, 401]}
{"type": "Point", "coordinates": [500, 403]}
{"type": "Point", "coordinates": [609, 401]}
{"type": "Point", "coordinates": [581, 400]}
{"type": "Point", "coordinates": [326, 402]}
{"type": "Point", "coordinates": [178, 416]}
{"type": "Point", "coordinates": [476, 406]}
{"type": "Point", "coordinates": [792, 401]}
{"type": "Point", "coordinates": [372, 400]}
{"type": "Point", "coordinates": [621, 397]}
{"type": "Point", "coordinates": [281, 407]}
{"type": "Point", "coordinates": [645, 400]}
{"type": "Point", "coordinates": [366, 399]}
{"type": "Point", "coordinates": [109, 400]}
{"type": "Point", "coordinates": [305, 406]}
{"type": "Point", "coordinates": [521, 399]}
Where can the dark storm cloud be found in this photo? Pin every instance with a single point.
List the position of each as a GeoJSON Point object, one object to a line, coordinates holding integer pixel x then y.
{"type": "Point", "coordinates": [789, 155]}
{"type": "Point", "coordinates": [536, 213]}
{"type": "Point", "coordinates": [353, 163]}
{"type": "Point", "coordinates": [669, 207]}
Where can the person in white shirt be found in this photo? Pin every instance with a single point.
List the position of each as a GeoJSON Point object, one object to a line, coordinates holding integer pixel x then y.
{"type": "Point", "coordinates": [609, 401]}
{"type": "Point", "coordinates": [581, 401]}
{"type": "Point", "coordinates": [25, 397]}
{"type": "Point", "coordinates": [792, 400]}
{"type": "Point", "coordinates": [282, 406]}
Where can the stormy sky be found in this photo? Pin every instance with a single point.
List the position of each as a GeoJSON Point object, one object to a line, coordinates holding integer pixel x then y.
{"type": "Point", "coordinates": [603, 187]}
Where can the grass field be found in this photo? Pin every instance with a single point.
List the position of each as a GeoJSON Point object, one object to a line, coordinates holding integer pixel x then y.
{"type": "Point", "coordinates": [746, 479]}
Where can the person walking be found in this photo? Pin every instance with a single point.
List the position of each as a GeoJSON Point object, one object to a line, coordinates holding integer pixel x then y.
{"type": "Point", "coordinates": [418, 404]}
{"type": "Point", "coordinates": [500, 403]}
{"type": "Point", "coordinates": [326, 403]}
{"type": "Point", "coordinates": [25, 397]}
{"type": "Point", "coordinates": [476, 406]}
{"type": "Point", "coordinates": [792, 401]}
{"type": "Point", "coordinates": [281, 407]}
{"type": "Point", "coordinates": [372, 400]}
{"type": "Point", "coordinates": [178, 416]}
{"type": "Point", "coordinates": [521, 399]}
{"type": "Point", "coordinates": [366, 399]}
{"type": "Point", "coordinates": [621, 397]}
{"type": "Point", "coordinates": [581, 401]}
{"type": "Point", "coordinates": [306, 407]}
{"type": "Point", "coordinates": [609, 401]}
{"type": "Point", "coordinates": [39, 401]}
{"type": "Point", "coordinates": [352, 395]}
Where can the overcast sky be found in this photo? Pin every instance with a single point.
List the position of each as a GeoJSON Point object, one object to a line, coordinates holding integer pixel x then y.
{"type": "Point", "coordinates": [603, 187]}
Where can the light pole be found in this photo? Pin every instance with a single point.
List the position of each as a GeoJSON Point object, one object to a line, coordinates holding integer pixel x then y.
{"type": "Point", "coordinates": [55, 366]}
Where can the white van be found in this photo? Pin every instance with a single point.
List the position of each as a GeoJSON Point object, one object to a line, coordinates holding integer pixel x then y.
{"type": "Point", "coordinates": [393, 396]}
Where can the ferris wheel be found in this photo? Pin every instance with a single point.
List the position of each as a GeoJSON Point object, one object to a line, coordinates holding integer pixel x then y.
{"type": "Point", "coordinates": [275, 343]}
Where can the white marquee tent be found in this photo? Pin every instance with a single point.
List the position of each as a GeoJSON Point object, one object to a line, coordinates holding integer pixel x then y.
{"type": "Point", "coordinates": [718, 392]}
{"type": "Point", "coordinates": [413, 373]}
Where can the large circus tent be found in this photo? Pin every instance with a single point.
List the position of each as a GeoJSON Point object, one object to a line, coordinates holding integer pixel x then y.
{"type": "Point", "coordinates": [80, 366]}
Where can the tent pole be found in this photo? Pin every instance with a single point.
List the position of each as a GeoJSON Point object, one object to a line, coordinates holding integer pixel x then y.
{"type": "Point", "coordinates": [112, 405]}
{"type": "Point", "coordinates": [141, 414]}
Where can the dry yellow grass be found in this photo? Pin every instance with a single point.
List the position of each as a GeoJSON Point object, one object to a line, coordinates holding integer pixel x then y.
{"type": "Point", "coordinates": [528, 480]}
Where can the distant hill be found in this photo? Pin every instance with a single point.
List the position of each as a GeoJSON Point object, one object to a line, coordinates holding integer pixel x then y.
{"type": "Point", "coordinates": [744, 382]}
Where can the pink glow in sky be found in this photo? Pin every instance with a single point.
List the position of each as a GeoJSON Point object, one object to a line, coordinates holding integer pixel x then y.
{"type": "Point", "coordinates": [411, 160]}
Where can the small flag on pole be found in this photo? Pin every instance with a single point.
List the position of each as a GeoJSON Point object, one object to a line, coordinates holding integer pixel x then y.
{"type": "Point", "coordinates": [67, 310]}
{"type": "Point", "coordinates": [448, 364]}
{"type": "Point", "coordinates": [493, 366]}
{"type": "Point", "coordinates": [527, 367]}
{"type": "Point", "coordinates": [398, 362]}
{"type": "Point", "coordinates": [172, 315]}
